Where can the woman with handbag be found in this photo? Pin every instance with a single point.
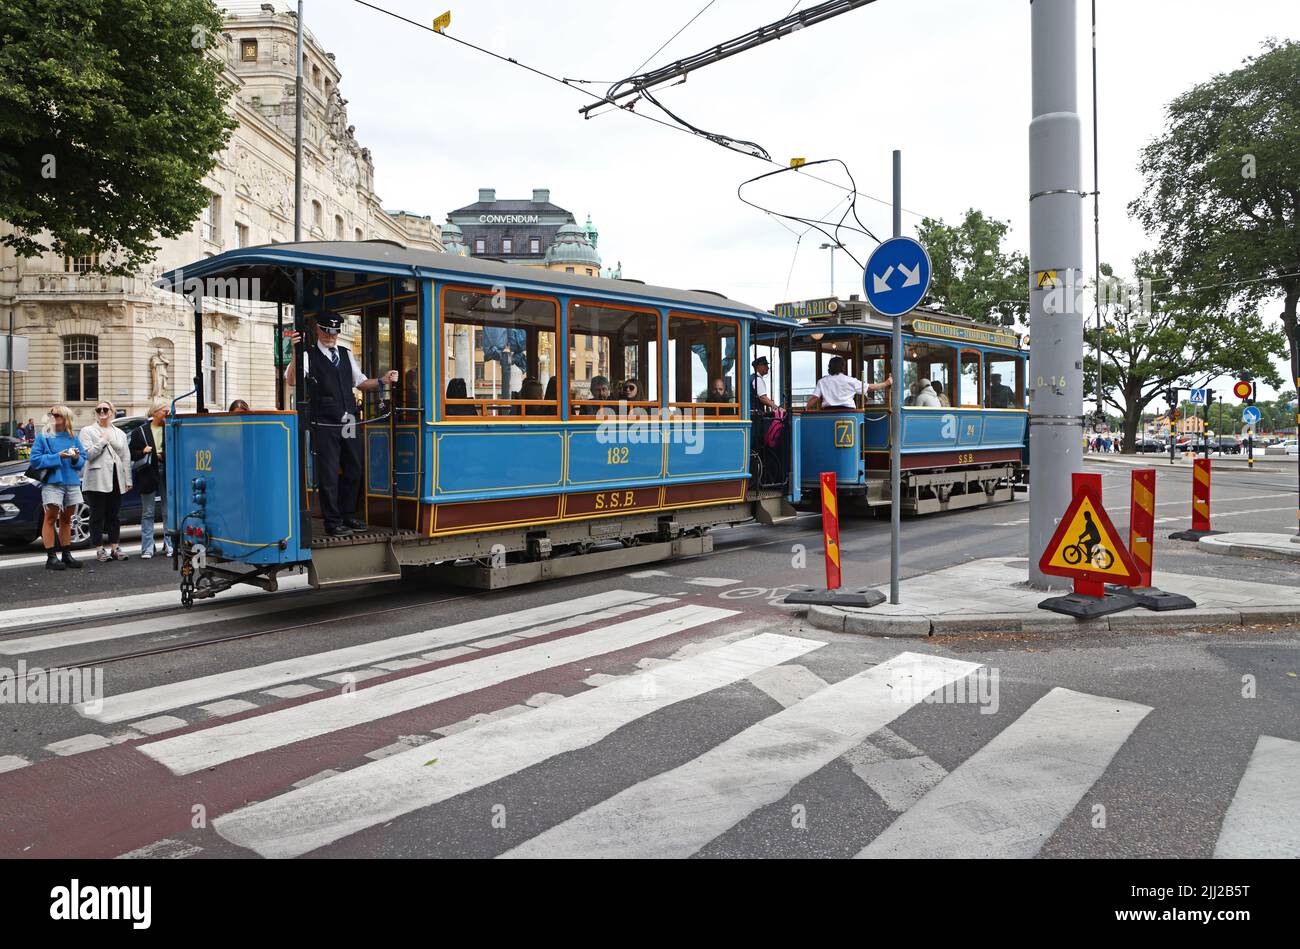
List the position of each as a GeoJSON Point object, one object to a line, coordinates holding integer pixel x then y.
{"type": "Point", "coordinates": [149, 459]}
{"type": "Point", "coordinates": [105, 478]}
{"type": "Point", "coordinates": [56, 461]}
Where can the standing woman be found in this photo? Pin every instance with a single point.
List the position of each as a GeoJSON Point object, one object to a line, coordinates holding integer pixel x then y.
{"type": "Point", "coordinates": [57, 449]}
{"type": "Point", "coordinates": [151, 478]}
{"type": "Point", "coordinates": [105, 478]}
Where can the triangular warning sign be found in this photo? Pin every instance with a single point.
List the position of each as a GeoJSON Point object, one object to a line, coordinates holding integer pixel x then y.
{"type": "Point", "coordinates": [1086, 546]}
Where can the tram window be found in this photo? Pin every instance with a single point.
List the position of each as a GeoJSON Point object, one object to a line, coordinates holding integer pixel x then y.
{"type": "Point", "coordinates": [803, 376]}
{"type": "Point", "coordinates": [875, 358]}
{"type": "Point", "coordinates": [771, 383]}
{"type": "Point", "coordinates": [701, 353]}
{"type": "Point", "coordinates": [931, 361]}
{"type": "Point", "coordinates": [518, 353]}
{"type": "Point", "coordinates": [1003, 382]}
{"type": "Point", "coordinates": [970, 378]}
{"type": "Point", "coordinates": [619, 345]}
{"type": "Point", "coordinates": [410, 353]}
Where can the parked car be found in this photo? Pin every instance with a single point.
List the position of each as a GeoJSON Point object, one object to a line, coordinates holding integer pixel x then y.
{"type": "Point", "coordinates": [1148, 445]}
{"type": "Point", "coordinates": [1225, 445]}
{"type": "Point", "coordinates": [1291, 446]}
{"type": "Point", "coordinates": [20, 502]}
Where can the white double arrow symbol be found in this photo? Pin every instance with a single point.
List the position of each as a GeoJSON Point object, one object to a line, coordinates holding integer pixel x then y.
{"type": "Point", "coordinates": [882, 280]}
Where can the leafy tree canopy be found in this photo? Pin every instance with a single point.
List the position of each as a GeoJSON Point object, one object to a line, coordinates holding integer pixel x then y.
{"type": "Point", "coordinates": [111, 114]}
{"type": "Point", "coordinates": [972, 274]}
{"type": "Point", "coordinates": [1222, 193]}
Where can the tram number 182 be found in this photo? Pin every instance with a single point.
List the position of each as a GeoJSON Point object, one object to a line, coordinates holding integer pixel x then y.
{"type": "Point", "coordinates": [203, 460]}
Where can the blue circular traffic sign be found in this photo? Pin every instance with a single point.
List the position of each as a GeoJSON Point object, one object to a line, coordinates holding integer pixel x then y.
{"type": "Point", "coordinates": [1250, 415]}
{"type": "Point", "coordinates": [897, 276]}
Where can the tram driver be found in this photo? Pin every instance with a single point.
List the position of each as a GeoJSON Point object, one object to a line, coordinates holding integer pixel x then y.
{"type": "Point", "coordinates": [836, 389]}
{"type": "Point", "coordinates": [760, 391]}
{"type": "Point", "coordinates": [336, 427]}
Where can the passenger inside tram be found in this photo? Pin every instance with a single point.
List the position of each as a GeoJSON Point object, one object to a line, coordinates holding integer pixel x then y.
{"type": "Point", "coordinates": [837, 390]}
{"type": "Point", "coordinates": [456, 389]}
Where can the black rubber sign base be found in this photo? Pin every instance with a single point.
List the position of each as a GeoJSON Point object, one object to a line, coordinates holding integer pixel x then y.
{"type": "Point", "coordinates": [862, 599]}
{"type": "Point", "coordinates": [1154, 599]}
{"type": "Point", "coordinates": [1089, 607]}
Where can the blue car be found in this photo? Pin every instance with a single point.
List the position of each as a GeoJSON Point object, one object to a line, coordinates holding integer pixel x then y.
{"type": "Point", "coordinates": [20, 502]}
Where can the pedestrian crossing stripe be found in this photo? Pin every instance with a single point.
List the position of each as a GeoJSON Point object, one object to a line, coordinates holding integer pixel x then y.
{"type": "Point", "coordinates": [1071, 554]}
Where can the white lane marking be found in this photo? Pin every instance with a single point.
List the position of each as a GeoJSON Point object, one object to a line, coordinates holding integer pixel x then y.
{"type": "Point", "coordinates": [12, 763]}
{"type": "Point", "coordinates": [75, 746]}
{"type": "Point", "coordinates": [227, 707]}
{"type": "Point", "coordinates": [38, 642]}
{"type": "Point", "coordinates": [1263, 820]}
{"type": "Point", "coordinates": [34, 559]}
{"type": "Point", "coordinates": [1009, 797]}
{"type": "Point", "coordinates": [309, 818]}
{"type": "Point", "coordinates": [712, 582]}
{"type": "Point", "coordinates": [185, 754]}
{"type": "Point", "coordinates": [156, 726]}
{"type": "Point", "coordinates": [49, 614]}
{"type": "Point", "coordinates": [117, 708]}
{"type": "Point", "coordinates": [166, 849]}
{"type": "Point", "coordinates": [291, 691]}
{"type": "Point", "coordinates": [896, 770]}
{"type": "Point", "coordinates": [677, 812]}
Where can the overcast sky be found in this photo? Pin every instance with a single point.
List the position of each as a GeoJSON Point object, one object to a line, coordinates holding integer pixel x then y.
{"type": "Point", "coordinates": [945, 81]}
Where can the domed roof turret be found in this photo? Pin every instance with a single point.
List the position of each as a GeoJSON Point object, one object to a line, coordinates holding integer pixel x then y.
{"type": "Point", "coordinates": [572, 246]}
{"type": "Point", "coordinates": [453, 240]}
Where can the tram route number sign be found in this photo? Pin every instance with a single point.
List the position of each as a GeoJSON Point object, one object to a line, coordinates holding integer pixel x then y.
{"type": "Point", "coordinates": [1086, 545]}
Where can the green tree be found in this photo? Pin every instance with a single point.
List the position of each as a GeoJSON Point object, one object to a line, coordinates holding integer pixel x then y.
{"type": "Point", "coordinates": [1149, 342]}
{"type": "Point", "coordinates": [972, 274]}
{"type": "Point", "coordinates": [1222, 192]}
{"type": "Point", "coordinates": [111, 114]}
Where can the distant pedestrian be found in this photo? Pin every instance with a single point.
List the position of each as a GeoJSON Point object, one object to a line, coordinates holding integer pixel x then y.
{"type": "Point", "coordinates": [105, 478]}
{"type": "Point", "coordinates": [56, 450]}
{"type": "Point", "coordinates": [239, 405]}
{"type": "Point", "coordinates": [148, 446]}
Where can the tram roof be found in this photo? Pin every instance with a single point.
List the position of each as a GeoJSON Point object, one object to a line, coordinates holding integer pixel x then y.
{"type": "Point", "coordinates": [264, 273]}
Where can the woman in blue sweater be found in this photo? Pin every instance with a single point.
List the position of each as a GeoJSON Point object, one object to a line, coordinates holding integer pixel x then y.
{"type": "Point", "coordinates": [57, 449]}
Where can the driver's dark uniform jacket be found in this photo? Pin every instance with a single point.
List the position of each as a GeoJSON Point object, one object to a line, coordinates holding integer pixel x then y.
{"type": "Point", "coordinates": [338, 458]}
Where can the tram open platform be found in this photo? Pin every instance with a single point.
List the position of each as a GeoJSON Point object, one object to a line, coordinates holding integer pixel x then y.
{"type": "Point", "coordinates": [993, 596]}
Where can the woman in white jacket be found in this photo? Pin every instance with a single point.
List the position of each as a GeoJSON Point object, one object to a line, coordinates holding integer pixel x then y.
{"type": "Point", "coordinates": [105, 478]}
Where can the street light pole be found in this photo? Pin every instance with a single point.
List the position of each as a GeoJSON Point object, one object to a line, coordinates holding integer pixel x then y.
{"type": "Point", "coordinates": [1055, 253]}
{"type": "Point", "coordinates": [832, 248]}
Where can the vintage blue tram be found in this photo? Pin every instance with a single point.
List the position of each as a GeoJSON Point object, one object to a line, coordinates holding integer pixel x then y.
{"type": "Point", "coordinates": [547, 424]}
{"type": "Point", "coordinates": [543, 423]}
{"type": "Point", "coordinates": [966, 448]}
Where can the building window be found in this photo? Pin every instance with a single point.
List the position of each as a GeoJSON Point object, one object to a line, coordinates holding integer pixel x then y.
{"type": "Point", "coordinates": [317, 213]}
{"type": "Point", "coordinates": [480, 245]}
{"type": "Point", "coordinates": [359, 236]}
{"type": "Point", "coordinates": [241, 235]}
{"type": "Point", "coordinates": [80, 264]}
{"type": "Point", "coordinates": [315, 76]}
{"type": "Point", "coordinates": [210, 224]}
{"type": "Point", "coordinates": [80, 368]}
{"type": "Point", "coordinates": [211, 363]}
{"type": "Point", "coordinates": [248, 50]}
{"type": "Point", "coordinates": [338, 227]}
{"type": "Point", "coordinates": [534, 245]}
{"type": "Point", "coordinates": [568, 270]}
{"type": "Point", "coordinates": [588, 271]}
{"type": "Point", "coordinates": [507, 245]}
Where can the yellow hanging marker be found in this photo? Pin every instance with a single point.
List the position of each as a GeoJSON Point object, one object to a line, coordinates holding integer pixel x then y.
{"type": "Point", "coordinates": [798, 162]}
{"type": "Point", "coordinates": [442, 22]}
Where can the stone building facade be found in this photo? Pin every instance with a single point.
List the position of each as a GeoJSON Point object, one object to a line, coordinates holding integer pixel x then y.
{"type": "Point", "coordinates": [93, 336]}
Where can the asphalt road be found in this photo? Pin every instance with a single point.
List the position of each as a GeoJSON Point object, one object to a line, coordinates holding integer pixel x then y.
{"type": "Point", "coordinates": [669, 711]}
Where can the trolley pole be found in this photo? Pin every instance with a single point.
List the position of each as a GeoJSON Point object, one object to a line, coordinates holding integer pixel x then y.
{"type": "Point", "coordinates": [1056, 265]}
{"type": "Point", "coordinates": [896, 412]}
